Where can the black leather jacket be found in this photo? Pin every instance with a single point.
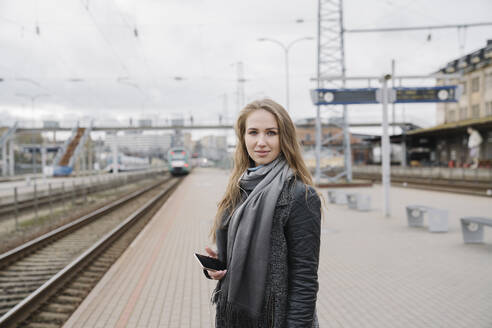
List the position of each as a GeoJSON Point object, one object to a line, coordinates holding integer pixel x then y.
{"type": "Point", "coordinates": [291, 291]}
{"type": "Point", "coordinates": [302, 232]}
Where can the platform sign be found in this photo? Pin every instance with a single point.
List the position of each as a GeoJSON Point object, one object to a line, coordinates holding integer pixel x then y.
{"type": "Point", "coordinates": [344, 96]}
{"type": "Point", "coordinates": [449, 93]}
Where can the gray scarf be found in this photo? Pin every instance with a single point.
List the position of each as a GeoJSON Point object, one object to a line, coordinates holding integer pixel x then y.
{"type": "Point", "coordinates": [249, 236]}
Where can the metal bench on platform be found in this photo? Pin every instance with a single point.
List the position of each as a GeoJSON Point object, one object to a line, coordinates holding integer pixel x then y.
{"type": "Point", "coordinates": [438, 218]}
{"type": "Point", "coordinates": [337, 197]}
{"type": "Point", "coordinates": [472, 227]}
{"type": "Point", "coordinates": [358, 201]}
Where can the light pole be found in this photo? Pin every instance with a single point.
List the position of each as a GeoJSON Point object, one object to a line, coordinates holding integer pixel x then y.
{"type": "Point", "coordinates": [33, 99]}
{"type": "Point", "coordinates": [286, 49]}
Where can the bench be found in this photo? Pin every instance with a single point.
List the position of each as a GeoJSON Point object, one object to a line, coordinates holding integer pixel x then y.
{"type": "Point", "coordinates": [438, 218]}
{"type": "Point", "coordinates": [359, 201]}
{"type": "Point", "coordinates": [337, 197]}
{"type": "Point", "coordinates": [472, 227]}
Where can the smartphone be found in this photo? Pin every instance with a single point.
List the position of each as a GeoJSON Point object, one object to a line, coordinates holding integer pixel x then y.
{"type": "Point", "coordinates": [210, 263]}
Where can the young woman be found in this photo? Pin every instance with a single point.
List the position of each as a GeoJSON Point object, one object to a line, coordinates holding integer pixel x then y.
{"type": "Point", "coordinates": [267, 228]}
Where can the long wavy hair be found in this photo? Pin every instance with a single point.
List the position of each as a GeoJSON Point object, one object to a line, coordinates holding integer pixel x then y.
{"type": "Point", "coordinates": [289, 147]}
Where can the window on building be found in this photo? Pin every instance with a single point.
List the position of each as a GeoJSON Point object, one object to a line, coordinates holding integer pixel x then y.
{"type": "Point", "coordinates": [464, 84]}
{"type": "Point", "coordinates": [463, 113]}
{"type": "Point", "coordinates": [451, 116]}
{"type": "Point", "coordinates": [488, 108]}
{"type": "Point", "coordinates": [475, 84]}
{"type": "Point", "coordinates": [488, 81]}
{"type": "Point", "coordinates": [475, 111]}
{"type": "Point", "coordinates": [308, 137]}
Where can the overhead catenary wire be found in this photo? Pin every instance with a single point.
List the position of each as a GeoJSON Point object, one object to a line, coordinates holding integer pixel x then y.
{"type": "Point", "coordinates": [416, 28]}
{"type": "Point", "coordinates": [105, 39]}
{"type": "Point", "coordinates": [141, 55]}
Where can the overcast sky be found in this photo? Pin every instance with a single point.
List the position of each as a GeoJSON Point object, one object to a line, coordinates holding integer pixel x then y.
{"type": "Point", "coordinates": [88, 62]}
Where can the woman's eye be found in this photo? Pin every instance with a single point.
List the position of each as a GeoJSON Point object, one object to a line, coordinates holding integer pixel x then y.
{"type": "Point", "coordinates": [272, 133]}
{"type": "Point", "coordinates": [252, 133]}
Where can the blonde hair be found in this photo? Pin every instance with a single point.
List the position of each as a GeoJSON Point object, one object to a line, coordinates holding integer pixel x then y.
{"type": "Point", "coordinates": [289, 147]}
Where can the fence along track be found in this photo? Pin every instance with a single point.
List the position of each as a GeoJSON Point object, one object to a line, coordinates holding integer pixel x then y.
{"type": "Point", "coordinates": [39, 267]}
{"type": "Point", "coordinates": [65, 192]}
{"type": "Point", "coordinates": [480, 188]}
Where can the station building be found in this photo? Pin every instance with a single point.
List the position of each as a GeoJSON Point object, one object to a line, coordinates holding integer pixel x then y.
{"type": "Point", "coordinates": [332, 138]}
{"type": "Point", "coordinates": [446, 144]}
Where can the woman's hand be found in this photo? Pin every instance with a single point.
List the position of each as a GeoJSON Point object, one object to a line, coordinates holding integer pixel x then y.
{"type": "Point", "coordinates": [216, 275]}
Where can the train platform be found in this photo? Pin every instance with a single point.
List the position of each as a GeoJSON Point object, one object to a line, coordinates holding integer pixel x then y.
{"type": "Point", "coordinates": [374, 271]}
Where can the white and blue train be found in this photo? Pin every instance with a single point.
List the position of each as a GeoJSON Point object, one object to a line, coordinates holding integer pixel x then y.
{"type": "Point", "coordinates": [127, 163]}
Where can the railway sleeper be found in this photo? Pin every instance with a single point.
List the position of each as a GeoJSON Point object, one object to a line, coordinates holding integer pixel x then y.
{"type": "Point", "coordinates": [30, 273]}
{"type": "Point", "coordinates": [63, 253]}
{"type": "Point", "coordinates": [101, 264]}
{"type": "Point", "coordinates": [66, 299]}
{"type": "Point", "coordinates": [61, 308]}
{"type": "Point", "coordinates": [112, 253]}
{"type": "Point", "coordinates": [6, 305]}
{"type": "Point", "coordinates": [96, 270]}
{"type": "Point", "coordinates": [19, 268]}
{"type": "Point", "coordinates": [16, 284]}
{"type": "Point", "coordinates": [35, 263]}
{"type": "Point", "coordinates": [95, 274]}
{"type": "Point", "coordinates": [26, 279]}
{"type": "Point", "coordinates": [40, 325]}
{"type": "Point", "coordinates": [74, 292]}
{"type": "Point", "coordinates": [87, 280]}
{"type": "Point", "coordinates": [80, 285]}
{"type": "Point", "coordinates": [17, 290]}
{"type": "Point", "coordinates": [50, 317]}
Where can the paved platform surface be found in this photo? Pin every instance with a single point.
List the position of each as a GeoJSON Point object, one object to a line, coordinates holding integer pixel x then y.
{"type": "Point", "coordinates": [374, 271]}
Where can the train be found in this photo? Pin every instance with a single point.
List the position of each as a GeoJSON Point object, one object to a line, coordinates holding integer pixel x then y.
{"type": "Point", "coordinates": [128, 163]}
{"type": "Point", "coordinates": [179, 160]}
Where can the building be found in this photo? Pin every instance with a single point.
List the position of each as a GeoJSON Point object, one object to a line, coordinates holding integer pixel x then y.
{"type": "Point", "coordinates": [213, 147]}
{"type": "Point", "coordinates": [476, 86]}
{"type": "Point", "coordinates": [446, 144]}
{"type": "Point", "coordinates": [138, 143]}
{"type": "Point", "coordinates": [332, 137]}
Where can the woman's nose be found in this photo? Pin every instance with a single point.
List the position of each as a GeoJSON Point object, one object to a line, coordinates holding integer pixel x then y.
{"type": "Point", "coordinates": [261, 140]}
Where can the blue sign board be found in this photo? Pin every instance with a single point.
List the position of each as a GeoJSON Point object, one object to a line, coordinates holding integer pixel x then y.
{"type": "Point", "coordinates": [448, 93]}
{"type": "Point", "coordinates": [371, 95]}
{"type": "Point", "coordinates": [344, 96]}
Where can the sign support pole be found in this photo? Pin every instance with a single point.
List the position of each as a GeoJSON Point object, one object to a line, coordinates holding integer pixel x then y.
{"type": "Point", "coordinates": [347, 152]}
{"type": "Point", "coordinates": [317, 174]}
{"type": "Point", "coordinates": [385, 147]}
{"type": "Point", "coordinates": [115, 154]}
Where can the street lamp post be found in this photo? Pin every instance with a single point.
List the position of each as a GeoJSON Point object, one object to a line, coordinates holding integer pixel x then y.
{"type": "Point", "coordinates": [33, 99]}
{"type": "Point", "coordinates": [286, 49]}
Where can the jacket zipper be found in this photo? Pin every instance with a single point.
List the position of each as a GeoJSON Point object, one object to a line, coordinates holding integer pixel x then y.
{"type": "Point", "coordinates": [272, 310]}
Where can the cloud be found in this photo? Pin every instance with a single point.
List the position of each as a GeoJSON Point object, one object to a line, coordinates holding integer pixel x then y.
{"type": "Point", "coordinates": [89, 60]}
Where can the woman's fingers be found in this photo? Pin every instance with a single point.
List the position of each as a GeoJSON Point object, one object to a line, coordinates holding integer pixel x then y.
{"type": "Point", "coordinates": [211, 252]}
{"type": "Point", "coordinates": [217, 275]}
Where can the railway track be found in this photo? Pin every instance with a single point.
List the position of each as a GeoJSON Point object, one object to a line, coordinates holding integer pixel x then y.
{"type": "Point", "coordinates": [42, 282]}
{"type": "Point", "coordinates": [476, 188]}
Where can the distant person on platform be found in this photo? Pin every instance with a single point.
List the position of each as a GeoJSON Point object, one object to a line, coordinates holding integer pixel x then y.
{"type": "Point", "coordinates": [267, 228]}
{"type": "Point", "coordinates": [474, 142]}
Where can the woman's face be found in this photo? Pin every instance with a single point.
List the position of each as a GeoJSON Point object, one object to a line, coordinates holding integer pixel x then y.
{"type": "Point", "coordinates": [261, 138]}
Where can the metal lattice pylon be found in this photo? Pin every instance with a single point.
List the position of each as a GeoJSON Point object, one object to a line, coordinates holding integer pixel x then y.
{"type": "Point", "coordinates": [331, 62]}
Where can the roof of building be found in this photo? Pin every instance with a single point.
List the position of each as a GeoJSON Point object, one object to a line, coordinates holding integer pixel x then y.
{"type": "Point", "coordinates": [470, 62]}
{"type": "Point", "coordinates": [483, 122]}
{"type": "Point", "coordinates": [452, 127]}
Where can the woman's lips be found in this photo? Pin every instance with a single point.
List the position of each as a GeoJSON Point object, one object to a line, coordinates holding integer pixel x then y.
{"type": "Point", "coordinates": [261, 153]}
